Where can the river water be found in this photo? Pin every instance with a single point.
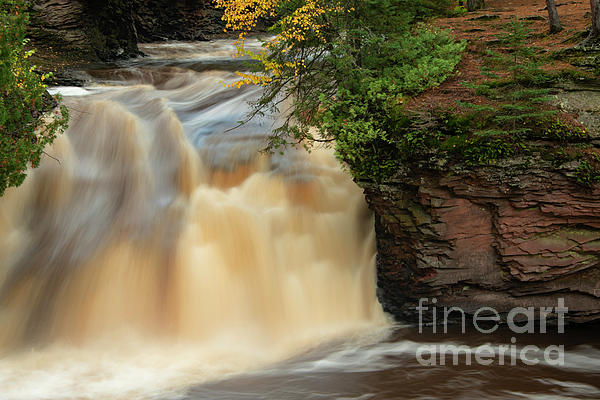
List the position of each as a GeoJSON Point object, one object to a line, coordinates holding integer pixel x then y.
{"type": "Point", "coordinates": [158, 254]}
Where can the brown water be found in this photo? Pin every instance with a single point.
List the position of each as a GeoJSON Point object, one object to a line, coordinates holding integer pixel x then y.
{"type": "Point", "coordinates": [164, 257]}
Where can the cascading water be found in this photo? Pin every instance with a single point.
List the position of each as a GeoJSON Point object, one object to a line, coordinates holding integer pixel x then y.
{"type": "Point", "coordinates": [153, 250]}
{"type": "Point", "coordinates": [157, 255]}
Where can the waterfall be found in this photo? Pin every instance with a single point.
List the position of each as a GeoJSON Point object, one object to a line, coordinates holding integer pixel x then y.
{"type": "Point", "coordinates": [154, 248]}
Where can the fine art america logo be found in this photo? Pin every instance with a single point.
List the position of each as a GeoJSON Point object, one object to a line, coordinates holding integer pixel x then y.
{"type": "Point", "coordinates": [486, 320]}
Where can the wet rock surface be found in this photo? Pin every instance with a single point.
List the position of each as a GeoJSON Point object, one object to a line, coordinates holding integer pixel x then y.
{"type": "Point", "coordinates": [497, 238]}
{"type": "Point", "coordinates": [518, 233]}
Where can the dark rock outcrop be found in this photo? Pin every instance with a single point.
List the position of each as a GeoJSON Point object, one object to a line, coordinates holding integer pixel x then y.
{"type": "Point", "coordinates": [473, 5]}
{"type": "Point", "coordinates": [90, 30]}
{"type": "Point", "coordinates": [84, 30]}
{"type": "Point", "coordinates": [157, 20]}
{"type": "Point", "coordinates": [518, 233]}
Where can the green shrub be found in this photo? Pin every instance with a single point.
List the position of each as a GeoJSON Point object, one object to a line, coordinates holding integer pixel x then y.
{"type": "Point", "coordinates": [366, 116]}
{"type": "Point", "coordinates": [355, 69]}
{"type": "Point", "coordinates": [587, 175]}
{"type": "Point", "coordinates": [23, 131]}
{"type": "Point", "coordinates": [458, 11]}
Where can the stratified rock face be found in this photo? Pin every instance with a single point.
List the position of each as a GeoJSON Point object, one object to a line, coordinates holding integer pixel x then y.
{"type": "Point", "coordinates": [157, 20]}
{"type": "Point", "coordinates": [110, 29]}
{"type": "Point", "coordinates": [517, 234]}
{"type": "Point", "coordinates": [60, 23]}
{"type": "Point", "coordinates": [582, 99]}
{"type": "Point", "coordinates": [85, 29]}
{"type": "Point", "coordinates": [490, 238]}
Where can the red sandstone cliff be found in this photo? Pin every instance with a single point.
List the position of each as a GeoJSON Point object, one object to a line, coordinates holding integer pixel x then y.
{"type": "Point", "coordinates": [518, 233]}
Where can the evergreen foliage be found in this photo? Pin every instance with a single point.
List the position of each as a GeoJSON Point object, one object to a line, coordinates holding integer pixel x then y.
{"type": "Point", "coordinates": [513, 119]}
{"type": "Point", "coordinates": [516, 99]}
{"type": "Point", "coordinates": [347, 65]}
{"type": "Point", "coordinates": [517, 106]}
{"type": "Point", "coordinates": [366, 116]}
{"type": "Point", "coordinates": [345, 70]}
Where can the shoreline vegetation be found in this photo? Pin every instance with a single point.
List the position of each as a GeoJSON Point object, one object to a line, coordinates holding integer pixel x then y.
{"type": "Point", "coordinates": [440, 114]}
{"type": "Point", "coordinates": [398, 84]}
{"type": "Point", "coordinates": [30, 119]}
{"type": "Point", "coordinates": [359, 75]}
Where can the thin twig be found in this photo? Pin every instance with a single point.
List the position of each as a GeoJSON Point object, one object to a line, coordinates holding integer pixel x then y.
{"type": "Point", "coordinates": [54, 158]}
